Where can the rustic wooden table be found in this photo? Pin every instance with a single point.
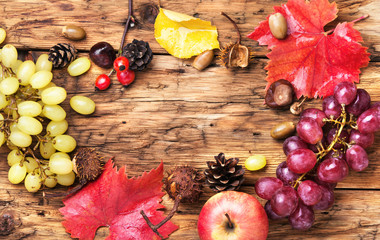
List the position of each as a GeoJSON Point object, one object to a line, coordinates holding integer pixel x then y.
{"type": "Point", "coordinates": [181, 116]}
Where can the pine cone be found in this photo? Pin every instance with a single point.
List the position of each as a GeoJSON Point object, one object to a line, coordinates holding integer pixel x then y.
{"type": "Point", "coordinates": [139, 54]}
{"type": "Point", "coordinates": [224, 175]}
{"type": "Point", "coordinates": [62, 54]}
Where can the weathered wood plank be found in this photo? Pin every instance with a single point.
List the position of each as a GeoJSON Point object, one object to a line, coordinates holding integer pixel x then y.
{"type": "Point", "coordinates": [38, 25]}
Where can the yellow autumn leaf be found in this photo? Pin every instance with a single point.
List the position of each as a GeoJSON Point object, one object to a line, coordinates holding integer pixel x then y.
{"type": "Point", "coordinates": [184, 36]}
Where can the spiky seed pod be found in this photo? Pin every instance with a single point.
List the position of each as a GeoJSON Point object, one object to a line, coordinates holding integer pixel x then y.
{"type": "Point", "coordinates": [62, 54]}
{"type": "Point", "coordinates": [88, 165]}
{"type": "Point", "coordinates": [184, 182]}
{"type": "Point", "coordinates": [139, 54]}
{"type": "Point", "coordinates": [224, 175]}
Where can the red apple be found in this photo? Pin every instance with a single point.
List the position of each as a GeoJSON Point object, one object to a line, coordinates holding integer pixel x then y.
{"type": "Point", "coordinates": [232, 215]}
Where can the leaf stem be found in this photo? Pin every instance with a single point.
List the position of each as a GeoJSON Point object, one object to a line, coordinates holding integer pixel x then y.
{"type": "Point", "coordinates": [235, 26]}
{"type": "Point", "coordinates": [168, 217]}
{"type": "Point", "coordinates": [361, 18]}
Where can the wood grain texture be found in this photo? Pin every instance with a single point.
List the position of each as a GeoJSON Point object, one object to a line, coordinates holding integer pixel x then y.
{"type": "Point", "coordinates": [181, 116]}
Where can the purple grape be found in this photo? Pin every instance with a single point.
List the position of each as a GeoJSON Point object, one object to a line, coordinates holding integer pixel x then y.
{"type": "Point", "coordinates": [316, 114]}
{"type": "Point", "coordinates": [332, 170]}
{"type": "Point", "coordinates": [330, 186]}
{"type": "Point", "coordinates": [271, 215]}
{"type": "Point", "coordinates": [293, 143]}
{"type": "Point", "coordinates": [302, 218]}
{"type": "Point", "coordinates": [284, 201]}
{"type": "Point", "coordinates": [301, 160]}
{"type": "Point", "coordinates": [309, 130]}
{"type": "Point", "coordinates": [364, 140]}
{"type": "Point", "coordinates": [285, 175]}
{"type": "Point", "coordinates": [331, 135]}
{"type": "Point", "coordinates": [103, 54]}
{"type": "Point", "coordinates": [360, 104]}
{"type": "Point", "coordinates": [357, 158]}
{"type": "Point", "coordinates": [345, 92]}
{"type": "Point", "coordinates": [265, 187]}
{"type": "Point", "coordinates": [331, 107]}
{"type": "Point", "coordinates": [375, 105]}
{"type": "Point", "coordinates": [368, 121]}
{"type": "Point", "coordinates": [309, 192]}
{"type": "Point", "coordinates": [327, 199]}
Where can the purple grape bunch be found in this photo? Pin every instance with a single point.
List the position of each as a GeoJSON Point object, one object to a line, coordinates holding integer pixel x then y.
{"type": "Point", "coordinates": [329, 143]}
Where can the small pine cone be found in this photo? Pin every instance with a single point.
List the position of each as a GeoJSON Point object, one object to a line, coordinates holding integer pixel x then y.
{"type": "Point", "coordinates": [62, 54]}
{"type": "Point", "coordinates": [224, 175]}
{"type": "Point", "coordinates": [139, 54]}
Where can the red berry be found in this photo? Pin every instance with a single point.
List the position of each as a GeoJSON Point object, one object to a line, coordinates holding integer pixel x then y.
{"type": "Point", "coordinates": [121, 64]}
{"type": "Point", "coordinates": [126, 77]}
{"type": "Point", "coordinates": [102, 82]}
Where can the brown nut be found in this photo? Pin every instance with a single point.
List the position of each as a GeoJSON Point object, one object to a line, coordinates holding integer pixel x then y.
{"type": "Point", "coordinates": [278, 25]}
{"type": "Point", "coordinates": [283, 130]}
{"type": "Point", "coordinates": [203, 60]}
{"type": "Point", "coordinates": [279, 94]}
{"type": "Point", "coordinates": [73, 32]}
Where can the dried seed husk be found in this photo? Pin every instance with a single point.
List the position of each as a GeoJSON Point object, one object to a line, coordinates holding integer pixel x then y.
{"type": "Point", "coordinates": [88, 165]}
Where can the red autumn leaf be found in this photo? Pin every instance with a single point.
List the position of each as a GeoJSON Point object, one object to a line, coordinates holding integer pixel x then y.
{"type": "Point", "coordinates": [313, 60]}
{"type": "Point", "coordinates": [115, 201]}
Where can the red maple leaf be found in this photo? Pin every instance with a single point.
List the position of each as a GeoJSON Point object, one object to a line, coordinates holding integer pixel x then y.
{"type": "Point", "coordinates": [115, 201]}
{"type": "Point", "coordinates": [313, 60]}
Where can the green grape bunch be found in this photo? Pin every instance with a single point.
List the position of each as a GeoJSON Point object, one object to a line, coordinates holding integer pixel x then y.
{"type": "Point", "coordinates": [39, 152]}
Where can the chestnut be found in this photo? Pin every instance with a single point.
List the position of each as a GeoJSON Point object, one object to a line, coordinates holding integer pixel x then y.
{"type": "Point", "coordinates": [280, 94]}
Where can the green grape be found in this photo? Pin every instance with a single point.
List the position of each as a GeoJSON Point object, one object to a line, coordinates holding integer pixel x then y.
{"type": "Point", "coordinates": [66, 179]}
{"type": "Point", "coordinates": [60, 165]}
{"type": "Point", "coordinates": [2, 138]}
{"type": "Point", "coordinates": [82, 105]}
{"type": "Point", "coordinates": [9, 85]}
{"type": "Point", "coordinates": [25, 72]}
{"type": "Point", "coordinates": [17, 173]}
{"type": "Point", "coordinates": [3, 34]}
{"type": "Point", "coordinates": [15, 156]}
{"type": "Point", "coordinates": [60, 155]}
{"type": "Point", "coordinates": [55, 128]}
{"type": "Point", "coordinates": [64, 143]}
{"type": "Point", "coordinates": [9, 55]}
{"type": "Point", "coordinates": [3, 101]}
{"type": "Point", "coordinates": [1, 120]}
{"type": "Point", "coordinates": [40, 90]}
{"type": "Point", "coordinates": [50, 181]}
{"type": "Point", "coordinates": [30, 164]}
{"type": "Point", "coordinates": [40, 79]}
{"type": "Point", "coordinates": [79, 66]}
{"type": "Point", "coordinates": [32, 182]}
{"type": "Point", "coordinates": [43, 63]}
{"type": "Point", "coordinates": [16, 65]}
{"type": "Point", "coordinates": [47, 149]}
{"type": "Point", "coordinates": [53, 95]}
{"type": "Point", "coordinates": [29, 108]}
{"type": "Point", "coordinates": [13, 127]}
{"type": "Point", "coordinates": [20, 139]}
{"type": "Point", "coordinates": [54, 112]}
{"type": "Point", "coordinates": [29, 125]}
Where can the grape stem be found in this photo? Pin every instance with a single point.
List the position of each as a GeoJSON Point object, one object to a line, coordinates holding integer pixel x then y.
{"type": "Point", "coordinates": [129, 19]}
{"type": "Point", "coordinates": [168, 217]}
{"type": "Point", "coordinates": [323, 152]}
{"type": "Point", "coordinates": [235, 26]}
